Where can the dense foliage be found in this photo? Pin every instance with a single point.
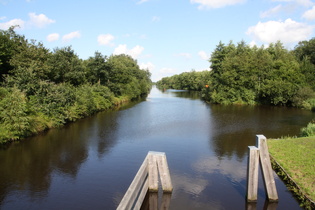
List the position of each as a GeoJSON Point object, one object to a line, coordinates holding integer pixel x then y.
{"type": "Point", "coordinates": [41, 89]}
{"type": "Point", "coordinates": [241, 74]}
{"type": "Point", "coordinates": [185, 81]}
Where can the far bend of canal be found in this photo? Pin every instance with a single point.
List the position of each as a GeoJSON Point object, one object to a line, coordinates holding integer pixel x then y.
{"type": "Point", "coordinates": [90, 164]}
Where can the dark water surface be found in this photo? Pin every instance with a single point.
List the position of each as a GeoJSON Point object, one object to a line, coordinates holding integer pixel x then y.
{"type": "Point", "coordinates": [90, 164]}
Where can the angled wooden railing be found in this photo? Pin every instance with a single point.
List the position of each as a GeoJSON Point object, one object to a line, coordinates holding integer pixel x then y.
{"type": "Point", "coordinates": [146, 180]}
{"type": "Point", "coordinates": [260, 154]}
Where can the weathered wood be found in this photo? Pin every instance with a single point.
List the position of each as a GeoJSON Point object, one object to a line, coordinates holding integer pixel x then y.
{"type": "Point", "coordinates": [153, 173]}
{"type": "Point", "coordinates": [164, 173]}
{"type": "Point", "coordinates": [147, 181]}
{"type": "Point", "coordinates": [252, 174]}
{"type": "Point", "coordinates": [142, 195]}
{"type": "Point", "coordinates": [133, 191]}
{"type": "Point", "coordinates": [269, 182]}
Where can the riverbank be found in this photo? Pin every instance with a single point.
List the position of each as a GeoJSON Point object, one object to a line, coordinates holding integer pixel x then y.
{"type": "Point", "coordinates": [293, 161]}
{"type": "Point", "coordinates": [37, 122]}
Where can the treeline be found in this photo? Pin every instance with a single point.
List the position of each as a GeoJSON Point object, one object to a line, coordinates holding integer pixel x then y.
{"type": "Point", "coordinates": [185, 81]}
{"type": "Point", "coordinates": [41, 89]}
{"type": "Point", "coordinates": [241, 74]}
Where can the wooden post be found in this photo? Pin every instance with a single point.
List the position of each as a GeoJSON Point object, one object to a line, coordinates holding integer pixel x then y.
{"type": "Point", "coordinates": [153, 173]}
{"type": "Point", "coordinates": [252, 174]}
{"type": "Point", "coordinates": [269, 182]}
{"type": "Point", "coordinates": [164, 173]}
{"type": "Point", "coordinates": [146, 183]}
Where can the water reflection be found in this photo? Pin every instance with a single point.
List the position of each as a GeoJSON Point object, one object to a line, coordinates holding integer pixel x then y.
{"type": "Point", "coordinates": [235, 127]}
{"type": "Point", "coordinates": [29, 167]}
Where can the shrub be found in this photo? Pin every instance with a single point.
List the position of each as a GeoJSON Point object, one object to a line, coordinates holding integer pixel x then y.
{"type": "Point", "coordinates": [309, 130]}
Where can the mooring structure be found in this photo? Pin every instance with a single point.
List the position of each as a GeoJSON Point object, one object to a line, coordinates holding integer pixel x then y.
{"type": "Point", "coordinates": [260, 154]}
{"type": "Point", "coordinates": [146, 183]}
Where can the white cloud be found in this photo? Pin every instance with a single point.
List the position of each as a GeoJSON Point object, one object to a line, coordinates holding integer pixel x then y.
{"type": "Point", "coordinates": [134, 52]}
{"type": "Point", "coordinates": [271, 11]}
{"type": "Point", "coordinates": [70, 36]}
{"type": "Point", "coordinates": [147, 65]}
{"type": "Point", "coordinates": [203, 55]}
{"type": "Point", "coordinates": [208, 4]}
{"type": "Point", "coordinates": [53, 37]}
{"type": "Point", "coordinates": [226, 167]}
{"type": "Point", "coordinates": [13, 22]}
{"type": "Point", "coordinates": [287, 32]}
{"type": "Point", "coordinates": [309, 14]}
{"type": "Point", "coordinates": [105, 39]}
{"type": "Point", "coordinates": [40, 20]}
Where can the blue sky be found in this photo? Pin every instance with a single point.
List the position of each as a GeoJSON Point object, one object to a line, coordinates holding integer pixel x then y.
{"type": "Point", "coordinates": [166, 36]}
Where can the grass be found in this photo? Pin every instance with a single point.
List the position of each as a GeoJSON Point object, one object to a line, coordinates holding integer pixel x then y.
{"type": "Point", "coordinates": [296, 156]}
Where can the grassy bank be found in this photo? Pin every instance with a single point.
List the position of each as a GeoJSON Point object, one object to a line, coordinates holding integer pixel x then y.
{"type": "Point", "coordinates": [294, 162]}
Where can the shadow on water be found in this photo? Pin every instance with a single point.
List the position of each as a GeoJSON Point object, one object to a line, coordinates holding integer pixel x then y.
{"type": "Point", "coordinates": [236, 126]}
{"type": "Point", "coordinates": [29, 165]}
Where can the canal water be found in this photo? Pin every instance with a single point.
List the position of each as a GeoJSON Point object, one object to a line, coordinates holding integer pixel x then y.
{"type": "Point", "coordinates": [91, 163]}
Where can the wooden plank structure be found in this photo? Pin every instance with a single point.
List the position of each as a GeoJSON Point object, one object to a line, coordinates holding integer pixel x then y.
{"type": "Point", "coordinates": [146, 180]}
{"type": "Point", "coordinates": [260, 154]}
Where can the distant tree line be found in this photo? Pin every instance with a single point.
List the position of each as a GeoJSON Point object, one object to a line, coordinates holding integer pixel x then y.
{"type": "Point", "coordinates": [40, 89]}
{"type": "Point", "coordinates": [241, 74]}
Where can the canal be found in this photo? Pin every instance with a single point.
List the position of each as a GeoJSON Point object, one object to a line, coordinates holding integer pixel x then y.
{"type": "Point", "coordinates": [90, 164]}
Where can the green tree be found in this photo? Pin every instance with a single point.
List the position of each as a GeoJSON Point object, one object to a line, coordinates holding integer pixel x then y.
{"type": "Point", "coordinates": [65, 66]}
{"type": "Point", "coordinates": [97, 71]}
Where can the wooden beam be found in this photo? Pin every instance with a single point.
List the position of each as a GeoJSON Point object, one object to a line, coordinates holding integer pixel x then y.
{"type": "Point", "coordinates": [142, 195]}
{"type": "Point", "coordinates": [153, 173]}
{"type": "Point", "coordinates": [133, 191]}
{"type": "Point", "coordinates": [252, 174]}
{"type": "Point", "coordinates": [164, 173]}
{"type": "Point", "coordinates": [269, 182]}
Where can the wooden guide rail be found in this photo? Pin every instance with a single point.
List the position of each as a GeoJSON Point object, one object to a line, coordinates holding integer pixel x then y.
{"type": "Point", "coordinates": [146, 180]}
{"type": "Point", "coordinates": [260, 154]}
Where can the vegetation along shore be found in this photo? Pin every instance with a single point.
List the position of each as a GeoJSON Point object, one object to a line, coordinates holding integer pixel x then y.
{"type": "Point", "coordinates": [40, 89]}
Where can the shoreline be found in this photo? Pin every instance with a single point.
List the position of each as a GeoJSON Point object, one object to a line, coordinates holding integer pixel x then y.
{"type": "Point", "coordinates": [299, 194]}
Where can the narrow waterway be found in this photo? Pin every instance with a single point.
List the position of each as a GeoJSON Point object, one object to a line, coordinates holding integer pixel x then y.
{"type": "Point", "coordinates": [90, 164]}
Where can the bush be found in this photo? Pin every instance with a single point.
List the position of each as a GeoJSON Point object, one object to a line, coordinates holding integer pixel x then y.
{"type": "Point", "coordinates": [309, 130]}
{"type": "Point", "coordinates": [14, 119]}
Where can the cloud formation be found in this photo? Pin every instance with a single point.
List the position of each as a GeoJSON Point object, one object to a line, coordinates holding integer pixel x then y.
{"type": "Point", "coordinates": [40, 20]}
{"type": "Point", "coordinates": [105, 39]}
{"type": "Point", "coordinates": [150, 66]}
{"type": "Point", "coordinates": [288, 31]}
{"type": "Point", "coordinates": [213, 4]}
{"type": "Point", "coordinates": [70, 36]}
{"type": "Point", "coordinates": [13, 22]}
{"type": "Point", "coordinates": [53, 37]}
{"type": "Point", "coordinates": [134, 52]}
{"type": "Point", "coordinates": [309, 14]}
